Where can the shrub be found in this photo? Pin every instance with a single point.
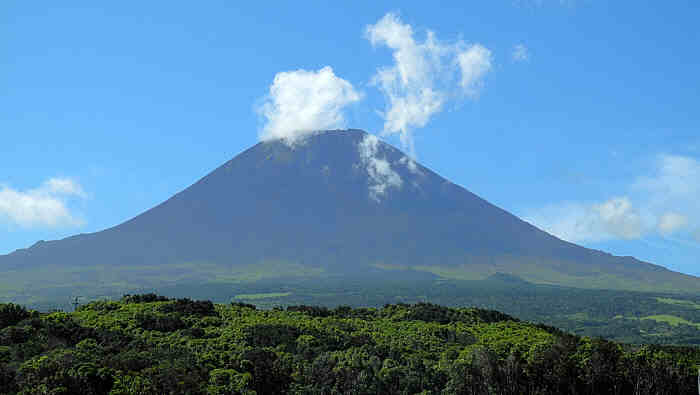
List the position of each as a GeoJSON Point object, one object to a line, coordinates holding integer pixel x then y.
{"type": "Point", "coordinates": [144, 298]}
{"type": "Point", "coordinates": [201, 308]}
{"type": "Point", "coordinates": [11, 314]}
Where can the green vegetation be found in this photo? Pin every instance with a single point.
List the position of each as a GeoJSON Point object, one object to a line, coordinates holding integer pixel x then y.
{"type": "Point", "coordinates": [670, 319]}
{"type": "Point", "coordinates": [267, 295]}
{"type": "Point", "coordinates": [614, 315]}
{"type": "Point", "coordinates": [549, 272]}
{"type": "Point", "coordinates": [149, 344]}
{"type": "Point", "coordinates": [678, 302]}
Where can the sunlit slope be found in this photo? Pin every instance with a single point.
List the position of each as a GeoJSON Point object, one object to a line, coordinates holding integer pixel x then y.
{"type": "Point", "coordinates": [279, 211]}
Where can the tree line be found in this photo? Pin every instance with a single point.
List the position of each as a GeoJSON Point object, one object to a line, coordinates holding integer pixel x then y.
{"type": "Point", "coordinates": [149, 344]}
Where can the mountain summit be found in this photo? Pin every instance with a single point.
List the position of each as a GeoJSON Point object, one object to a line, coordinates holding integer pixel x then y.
{"type": "Point", "coordinates": [336, 202]}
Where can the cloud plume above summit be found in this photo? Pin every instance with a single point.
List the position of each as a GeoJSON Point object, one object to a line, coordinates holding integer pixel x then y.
{"type": "Point", "coordinates": [425, 76]}
{"type": "Point", "coordinates": [301, 102]}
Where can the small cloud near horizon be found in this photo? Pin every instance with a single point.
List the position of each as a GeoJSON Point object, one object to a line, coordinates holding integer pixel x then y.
{"type": "Point", "coordinates": [671, 222]}
{"type": "Point", "coordinates": [45, 206]}
{"type": "Point", "coordinates": [615, 218]}
{"type": "Point", "coordinates": [663, 203]}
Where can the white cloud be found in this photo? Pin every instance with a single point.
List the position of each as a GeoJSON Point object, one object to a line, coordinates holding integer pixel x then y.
{"type": "Point", "coordinates": [422, 78]}
{"type": "Point", "coordinates": [474, 63]}
{"type": "Point", "coordinates": [672, 192]}
{"type": "Point", "coordinates": [618, 218]}
{"type": "Point", "coordinates": [665, 204]}
{"type": "Point", "coordinates": [63, 186]}
{"type": "Point", "coordinates": [410, 165]}
{"type": "Point", "coordinates": [425, 75]}
{"type": "Point", "coordinates": [671, 222]}
{"type": "Point", "coordinates": [301, 102]}
{"type": "Point", "coordinates": [615, 218]}
{"type": "Point", "coordinates": [521, 53]}
{"type": "Point", "coordinates": [676, 180]}
{"type": "Point", "coordinates": [45, 206]}
{"type": "Point", "coordinates": [381, 175]}
{"type": "Point", "coordinates": [568, 221]}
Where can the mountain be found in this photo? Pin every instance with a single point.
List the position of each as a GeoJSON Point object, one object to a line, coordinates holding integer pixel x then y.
{"type": "Point", "coordinates": [315, 209]}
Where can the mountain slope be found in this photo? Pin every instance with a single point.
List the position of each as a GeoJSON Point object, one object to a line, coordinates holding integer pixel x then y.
{"type": "Point", "coordinates": [307, 209]}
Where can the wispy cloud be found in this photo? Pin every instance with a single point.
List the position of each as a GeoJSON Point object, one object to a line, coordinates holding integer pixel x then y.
{"type": "Point", "coordinates": [381, 175]}
{"type": "Point", "coordinates": [424, 75]}
{"type": "Point", "coordinates": [672, 191]}
{"type": "Point", "coordinates": [45, 206]}
{"type": "Point", "coordinates": [62, 186]}
{"type": "Point", "coordinates": [301, 102]}
{"type": "Point", "coordinates": [662, 203]}
{"type": "Point", "coordinates": [615, 218]}
{"type": "Point", "coordinates": [520, 53]}
{"type": "Point", "coordinates": [671, 222]}
{"type": "Point", "coordinates": [474, 63]}
{"type": "Point", "coordinates": [675, 182]}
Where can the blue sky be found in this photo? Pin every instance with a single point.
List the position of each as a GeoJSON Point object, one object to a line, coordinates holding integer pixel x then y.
{"type": "Point", "coordinates": [579, 116]}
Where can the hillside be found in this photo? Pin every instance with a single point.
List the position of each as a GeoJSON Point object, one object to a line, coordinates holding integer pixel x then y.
{"type": "Point", "coordinates": [147, 344]}
{"type": "Point", "coordinates": [280, 212]}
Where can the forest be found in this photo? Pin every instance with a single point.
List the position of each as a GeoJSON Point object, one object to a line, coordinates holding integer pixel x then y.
{"type": "Point", "coordinates": [623, 316]}
{"type": "Point", "coordinates": [150, 344]}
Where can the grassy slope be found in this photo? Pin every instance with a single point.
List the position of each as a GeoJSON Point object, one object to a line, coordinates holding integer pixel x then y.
{"type": "Point", "coordinates": [539, 272]}
{"type": "Point", "coordinates": [273, 283]}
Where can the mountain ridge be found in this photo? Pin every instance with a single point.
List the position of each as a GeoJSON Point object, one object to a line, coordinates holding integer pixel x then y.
{"type": "Point", "coordinates": [309, 206]}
